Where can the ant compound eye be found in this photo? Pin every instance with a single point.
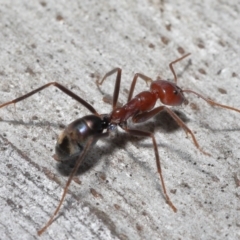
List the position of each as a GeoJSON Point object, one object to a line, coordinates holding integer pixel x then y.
{"type": "Point", "coordinates": [175, 92]}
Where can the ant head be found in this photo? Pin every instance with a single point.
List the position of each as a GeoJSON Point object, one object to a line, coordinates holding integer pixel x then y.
{"type": "Point", "coordinates": [168, 93]}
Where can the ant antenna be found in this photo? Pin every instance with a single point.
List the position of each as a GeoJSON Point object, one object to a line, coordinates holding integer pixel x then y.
{"type": "Point", "coordinates": [211, 102]}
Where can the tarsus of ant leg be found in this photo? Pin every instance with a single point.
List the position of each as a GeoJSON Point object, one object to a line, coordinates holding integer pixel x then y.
{"type": "Point", "coordinates": [146, 115]}
{"type": "Point", "coordinates": [117, 84]}
{"type": "Point", "coordinates": [148, 134]}
{"type": "Point", "coordinates": [175, 61]}
{"type": "Point", "coordinates": [78, 163]}
{"type": "Point", "coordinates": [212, 102]}
{"type": "Point", "coordinates": [160, 174]}
{"type": "Point", "coordinates": [59, 86]}
{"type": "Point", "coordinates": [136, 76]}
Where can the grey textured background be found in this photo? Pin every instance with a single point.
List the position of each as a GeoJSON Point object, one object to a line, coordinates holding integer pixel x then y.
{"type": "Point", "coordinates": [119, 196]}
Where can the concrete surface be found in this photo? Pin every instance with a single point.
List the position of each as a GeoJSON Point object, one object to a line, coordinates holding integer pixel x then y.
{"type": "Point", "coordinates": [118, 195]}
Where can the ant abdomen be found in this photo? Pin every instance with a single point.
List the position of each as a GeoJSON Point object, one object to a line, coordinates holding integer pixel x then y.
{"type": "Point", "coordinates": [72, 140]}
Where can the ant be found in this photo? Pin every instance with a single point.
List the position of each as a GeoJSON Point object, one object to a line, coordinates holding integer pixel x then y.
{"type": "Point", "coordinates": [80, 135]}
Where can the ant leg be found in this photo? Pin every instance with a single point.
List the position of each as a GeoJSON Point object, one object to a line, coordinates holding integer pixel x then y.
{"type": "Point", "coordinates": [78, 163]}
{"type": "Point", "coordinates": [136, 76]}
{"type": "Point", "coordinates": [171, 66]}
{"type": "Point", "coordinates": [142, 117]}
{"type": "Point", "coordinates": [59, 86]}
{"type": "Point", "coordinates": [117, 84]}
{"type": "Point", "coordinates": [212, 103]}
{"type": "Point", "coordinates": [89, 143]}
{"type": "Point", "coordinates": [149, 134]}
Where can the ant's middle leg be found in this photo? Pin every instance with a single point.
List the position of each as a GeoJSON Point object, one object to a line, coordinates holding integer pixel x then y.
{"type": "Point", "coordinates": [136, 76]}
{"type": "Point", "coordinates": [149, 134]}
{"type": "Point", "coordinates": [117, 84]}
{"type": "Point", "coordinates": [59, 86]}
{"type": "Point", "coordinates": [142, 117]}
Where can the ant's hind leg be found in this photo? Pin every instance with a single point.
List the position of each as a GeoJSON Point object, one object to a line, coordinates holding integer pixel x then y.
{"type": "Point", "coordinates": [59, 86]}
{"type": "Point", "coordinates": [80, 159]}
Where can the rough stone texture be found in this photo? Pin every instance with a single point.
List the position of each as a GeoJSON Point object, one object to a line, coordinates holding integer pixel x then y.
{"type": "Point", "coordinates": [118, 195]}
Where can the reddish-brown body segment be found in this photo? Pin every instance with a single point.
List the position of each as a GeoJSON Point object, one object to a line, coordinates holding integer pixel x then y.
{"type": "Point", "coordinates": [78, 137]}
{"type": "Point", "coordinates": [167, 92]}
{"type": "Point", "coordinates": [142, 102]}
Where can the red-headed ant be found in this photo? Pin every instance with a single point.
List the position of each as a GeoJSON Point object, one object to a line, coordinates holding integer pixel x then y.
{"type": "Point", "coordinates": [77, 138]}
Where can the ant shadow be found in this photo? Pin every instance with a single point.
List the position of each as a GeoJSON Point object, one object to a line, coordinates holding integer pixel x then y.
{"type": "Point", "coordinates": [33, 123]}
{"type": "Point", "coordinates": [163, 120]}
{"type": "Point", "coordinates": [90, 160]}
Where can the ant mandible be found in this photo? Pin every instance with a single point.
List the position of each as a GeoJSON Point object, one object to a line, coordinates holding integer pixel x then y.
{"type": "Point", "coordinates": [77, 138]}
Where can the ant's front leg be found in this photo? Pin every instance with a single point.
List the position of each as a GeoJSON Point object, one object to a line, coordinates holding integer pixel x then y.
{"type": "Point", "coordinates": [175, 61]}
{"type": "Point", "coordinates": [80, 159]}
{"type": "Point", "coordinates": [142, 117]}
